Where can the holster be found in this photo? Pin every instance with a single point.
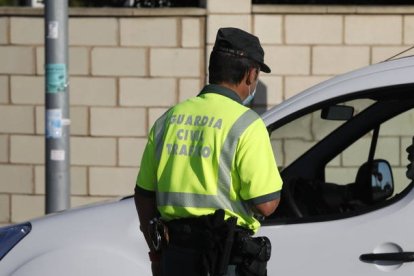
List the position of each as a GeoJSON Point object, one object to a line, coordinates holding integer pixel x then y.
{"type": "Point", "coordinates": [251, 254]}
{"type": "Point", "coordinates": [158, 232]}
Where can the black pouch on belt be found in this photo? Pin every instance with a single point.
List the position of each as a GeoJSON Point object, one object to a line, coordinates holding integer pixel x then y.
{"type": "Point", "coordinates": [251, 255]}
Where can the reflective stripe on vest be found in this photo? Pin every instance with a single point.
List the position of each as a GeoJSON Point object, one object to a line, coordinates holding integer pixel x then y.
{"type": "Point", "coordinates": [222, 199]}
{"type": "Point", "coordinates": [159, 130]}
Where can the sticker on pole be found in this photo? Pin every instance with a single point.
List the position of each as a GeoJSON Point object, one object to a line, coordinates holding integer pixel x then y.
{"type": "Point", "coordinates": [53, 30]}
{"type": "Point", "coordinates": [57, 155]}
{"type": "Point", "coordinates": [54, 123]}
{"type": "Point", "coordinates": [56, 77]}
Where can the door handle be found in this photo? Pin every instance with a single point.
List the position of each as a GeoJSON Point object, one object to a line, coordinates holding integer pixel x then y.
{"type": "Point", "coordinates": [402, 257]}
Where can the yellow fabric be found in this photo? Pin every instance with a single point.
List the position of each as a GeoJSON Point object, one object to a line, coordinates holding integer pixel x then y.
{"type": "Point", "coordinates": [194, 135]}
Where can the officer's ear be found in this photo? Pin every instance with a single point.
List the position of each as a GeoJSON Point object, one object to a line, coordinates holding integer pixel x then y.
{"type": "Point", "coordinates": [252, 75]}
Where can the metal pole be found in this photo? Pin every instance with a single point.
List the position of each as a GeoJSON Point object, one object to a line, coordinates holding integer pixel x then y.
{"type": "Point", "coordinates": [57, 134]}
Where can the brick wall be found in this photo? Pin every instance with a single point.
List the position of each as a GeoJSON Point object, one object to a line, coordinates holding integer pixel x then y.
{"type": "Point", "coordinates": [124, 72]}
{"type": "Point", "coordinates": [127, 66]}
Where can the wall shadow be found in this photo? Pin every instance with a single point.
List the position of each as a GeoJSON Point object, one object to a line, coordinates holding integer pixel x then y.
{"type": "Point", "coordinates": [260, 101]}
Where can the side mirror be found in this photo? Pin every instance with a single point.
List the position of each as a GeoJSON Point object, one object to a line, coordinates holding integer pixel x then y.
{"type": "Point", "coordinates": [374, 183]}
{"type": "Point", "coordinates": [382, 183]}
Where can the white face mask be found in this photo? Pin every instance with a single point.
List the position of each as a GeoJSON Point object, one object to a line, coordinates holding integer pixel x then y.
{"type": "Point", "coordinates": [251, 95]}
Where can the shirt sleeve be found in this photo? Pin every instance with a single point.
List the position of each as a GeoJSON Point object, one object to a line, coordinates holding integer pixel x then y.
{"type": "Point", "coordinates": [147, 176]}
{"type": "Point", "coordinates": [259, 176]}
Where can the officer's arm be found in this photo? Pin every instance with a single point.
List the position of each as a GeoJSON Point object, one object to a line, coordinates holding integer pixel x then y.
{"type": "Point", "coordinates": [266, 208]}
{"type": "Point", "coordinates": [147, 210]}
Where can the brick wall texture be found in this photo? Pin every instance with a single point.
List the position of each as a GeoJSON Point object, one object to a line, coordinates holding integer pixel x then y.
{"type": "Point", "coordinates": [126, 71]}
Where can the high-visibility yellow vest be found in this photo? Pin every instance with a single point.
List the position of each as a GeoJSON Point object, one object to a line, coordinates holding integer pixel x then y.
{"type": "Point", "coordinates": [210, 152]}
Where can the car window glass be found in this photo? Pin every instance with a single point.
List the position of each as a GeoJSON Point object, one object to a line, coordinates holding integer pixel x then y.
{"type": "Point", "coordinates": [343, 169]}
{"type": "Point", "coordinates": [395, 136]}
{"type": "Point", "coordinates": [345, 185]}
{"type": "Point", "coordinates": [296, 137]}
{"type": "Point", "coordinates": [293, 139]}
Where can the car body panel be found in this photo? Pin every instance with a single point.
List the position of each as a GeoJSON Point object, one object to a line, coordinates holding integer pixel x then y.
{"type": "Point", "coordinates": [334, 247]}
{"type": "Point", "coordinates": [73, 241]}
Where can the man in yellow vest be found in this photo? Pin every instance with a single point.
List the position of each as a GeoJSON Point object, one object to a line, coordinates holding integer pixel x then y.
{"type": "Point", "coordinates": [210, 153]}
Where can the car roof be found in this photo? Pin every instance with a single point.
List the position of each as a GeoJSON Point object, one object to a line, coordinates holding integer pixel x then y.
{"type": "Point", "coordinates": [388, 73]}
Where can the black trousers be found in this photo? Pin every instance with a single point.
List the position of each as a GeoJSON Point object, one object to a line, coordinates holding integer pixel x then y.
{"type": "Point", "coordinates": [179, 261]}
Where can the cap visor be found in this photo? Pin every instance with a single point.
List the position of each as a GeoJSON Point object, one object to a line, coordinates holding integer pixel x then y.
{"type": "Point", "coordinates": [264, 68]}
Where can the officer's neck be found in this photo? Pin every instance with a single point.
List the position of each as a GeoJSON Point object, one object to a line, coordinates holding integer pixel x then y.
{"type": "Point", "coordinates": [240, 89]}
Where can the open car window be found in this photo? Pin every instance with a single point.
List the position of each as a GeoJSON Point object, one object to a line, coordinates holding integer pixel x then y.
{"type": "Point", "coordinates": [328, 162]}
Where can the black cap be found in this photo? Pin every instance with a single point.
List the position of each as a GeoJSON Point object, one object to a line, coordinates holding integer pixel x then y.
{"type": "Point", "coordinates": [240, 43]}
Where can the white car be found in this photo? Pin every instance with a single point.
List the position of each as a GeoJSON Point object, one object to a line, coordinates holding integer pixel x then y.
{"type": "Point", "coordinates": [347, 203]}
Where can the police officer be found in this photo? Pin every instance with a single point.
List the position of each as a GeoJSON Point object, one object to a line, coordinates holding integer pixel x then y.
{"type": "Point", "coordinates": [209, 153]}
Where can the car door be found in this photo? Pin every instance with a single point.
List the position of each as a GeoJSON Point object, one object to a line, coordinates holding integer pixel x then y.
{"type": "Point", "coordinates": [320, 150]}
